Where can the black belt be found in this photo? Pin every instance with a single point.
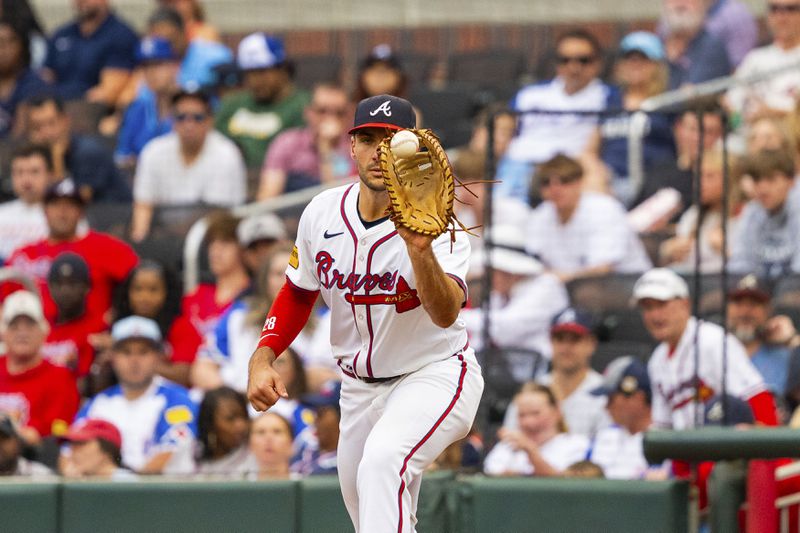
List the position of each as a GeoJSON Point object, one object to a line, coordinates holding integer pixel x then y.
{"type": "Point", "coordinates": [367, 379]}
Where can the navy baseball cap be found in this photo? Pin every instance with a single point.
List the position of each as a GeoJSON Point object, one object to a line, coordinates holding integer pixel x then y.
{"type": "Point", "coordinates": [382, 53]}
{"type": "Point", "coordinates": [65, 188]}
{"type": "Point", "coordinates": [69, 266]}
{"type": "Point", "coordinates": [751, 286]}
{"type": "Point", "coordinates": [384, 111]}
{"type": "Point", "coordinates": [625, 375]}
{"type": "Point", "coordinates": [573, 320]}
{"type": "Point", "coordinates": [155, 49]}
{"type": "Point", "coordinates": [739, 411]}
{"type": "Point", "coordinates": [328, 396]}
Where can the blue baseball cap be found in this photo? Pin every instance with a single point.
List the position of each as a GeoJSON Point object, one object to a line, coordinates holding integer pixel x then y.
{"type": "Point", "coordinates": [155, 49]}
{"type": "Point", "coordinates": [739, 411]}
{"type": "Point", "coordinates": [625, 375]}
{"type": "Point", "coordinates": [259, 51]}
{"type": "Point", "coordinates": [645, 43]}
{"type": "Point", "coordinates": [573, 320]}
{"type": "Point", "coordinates": [328, 396]}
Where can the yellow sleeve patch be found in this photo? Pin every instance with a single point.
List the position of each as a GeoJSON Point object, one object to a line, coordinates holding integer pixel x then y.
{"type": "Point", "coordinates": [59, 427]}
{"type": "Point", "coordinates": [180, 414]}
{"type": "Point", "coordinates": [294, 258]}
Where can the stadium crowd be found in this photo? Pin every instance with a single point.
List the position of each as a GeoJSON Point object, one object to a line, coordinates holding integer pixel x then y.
{"type": "Point", "coordinates": [113, 369]}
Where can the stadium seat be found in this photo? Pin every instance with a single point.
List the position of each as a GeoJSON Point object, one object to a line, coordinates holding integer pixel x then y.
{"type": "Point", "coordinates": [486, 69]}
{"type": "Point", "coordinates": [313, 69]}
{"type": "Point", "coordinates": [417, 67]}
{"type": "Point", "coordinates": [448, 112]}
{"type": "Point", "coordinates": [110, 217]}
{"type": "Point", "coordinates": [84, 116]}
{"type": "Point", "coordinates": [610, 350]}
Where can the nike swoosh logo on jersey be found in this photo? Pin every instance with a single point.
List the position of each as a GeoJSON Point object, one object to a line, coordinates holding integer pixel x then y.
{"type": "Point", "coordinates": [329, 235]}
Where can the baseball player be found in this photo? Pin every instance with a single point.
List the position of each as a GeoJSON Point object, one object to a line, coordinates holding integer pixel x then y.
{"type": "Point", "coordinates": [680, 388]}
{"type": "Point", "coordinates": [411, 384]}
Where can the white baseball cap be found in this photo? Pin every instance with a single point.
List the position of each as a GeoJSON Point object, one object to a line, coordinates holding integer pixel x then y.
{"type": "Point", "coordinates": [23, 303]}
{"type": "Point", "coordinates": [508, 253]}
{"type": "Point", "coordinates": [660, 284]}
{"type": "Point", "coordinates": [260, 227]}
{"type": "Point", "coordinates": [136, 327]}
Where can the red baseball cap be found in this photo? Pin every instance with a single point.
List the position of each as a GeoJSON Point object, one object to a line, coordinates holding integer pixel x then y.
{"type": "Point", "coordinates": [94, 428]}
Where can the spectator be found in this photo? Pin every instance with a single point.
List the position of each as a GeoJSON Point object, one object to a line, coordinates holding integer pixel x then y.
{"type": "Point", "coordinates": [156, 418]}
{"type": "Point", "coordinates": [94, 450]}
{"type": "Point", "coordinates": [505, 127]}
{"type": "Point", "coordinates": [22, 221]}
{"type": "Point", "coordinates": [271, 445]}
{"type": "Point", "coordinates": [224, 358]}
{"type": "Point", "coordinates": [617, 448]}
{"type": "Point", "coordinates": [28, 383]}
{"type": "Point", "coordinates": [679, 252]}
{"type": "Point", "coordinates": [677, 383]}
{"type": "Point", "coordinates": [84, 158]}
{"type": "Point", "coordinates": [222, 431]}
{"type": "Point", "coordinates": [258, 235]}
{"type": "Point", "coordinates": [318, 153]}
{"type": "Point", "coordinates": [150, 114]}
{"type": "Point", "coordinates": [268, 105]}
{"type": "Point", "coordinates": [768, 340]}
{"type": "Point", "coordinates": [517, 280]}
{"type": "Point", "coordinates": [18, 81]}
{"type": "Point", "coordinates": [776, 95]}
{"type": "Point", "coordinates": [21, 15]}
{"type": "Point", "coordinates": [109, 259]}
{"type": "Point", "coordinates": [208, 301]}
{"type": "Point", "coordinates": [12, 446]}
{"type": "Point", "coordinates": [194, 19]}
{"type": "Point", "coordinates": [91, 57]}
{"type": "Point", "coordinates": [554, 130]}
{"type": "Point", "coordinates": [641, 72]}
{"type": "Point", "coordinates": [318, 443]}
{"type": "Point", "coordinates": [198, 56]}
{"type": "Point", "coordinates": [580, 233]}
{"type": "Point", "coordinates": [694, 55]}
{"type": "Point", "coordinates": [541, 446]}
{"type": "Point", "coordinates": [380, 73]}
{"type": "Point", "coordinates": [184, 167]}
{"type": "Point", "coordinates": [766, 242]}
{"type": "Point", "coordinates": [153, 292]}
{"type": "Point", "coordinates": [584, 469]}
{"type": "Point", "coordinates": [68, 343]}
{"type": "Point", "coordinates": [677, 174]}
{"type": "Point", "coordinates": [571, 377]}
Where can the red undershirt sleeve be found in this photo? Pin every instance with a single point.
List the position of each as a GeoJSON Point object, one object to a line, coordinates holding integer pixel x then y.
{"type": "Point", "coordinates": [764, 411]}
{"type": "Point", "coordinates": [287, 316]}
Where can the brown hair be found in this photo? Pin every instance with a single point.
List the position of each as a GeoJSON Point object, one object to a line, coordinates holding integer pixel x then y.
{"type": "Point", "coordinates": [582, 35]}
{"type": "Point", "coordinates": [531, 387]}
{"type": "Point", "coordinates": [768, 162]}
{"type": "Point", "coordinates": [30, 150]}
{"type": "Point", "coordinates": [259, 302]}
{"type": "Point", "coordinates": [559, 165]}
{"type": "Point", "coordinates": [714, 159]}
{"type": "Point", "coordinates": [470, 165]}
{"type": "Point", "coordinates": [222, 227]}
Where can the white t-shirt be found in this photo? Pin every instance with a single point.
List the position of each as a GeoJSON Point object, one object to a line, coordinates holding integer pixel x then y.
{"type": "Point", "coordinates": [216, 177]}
{"type": "Point", "coordinates": [560, 452]}
{"type": "Point", "coordinates": [779, 92]}
{"type": "Point", "coordinates": [710, 258]}
{"type": "Point", "coordinates": [523, 320]}
{"type": "Point", "coordinates": [619, 454]}
{"type": "Point", "coordinates": [20, 224]}
{"type": "Point", "coordinates": [597, 234]}
{"type": "Point", "coordinates": [672, 375]}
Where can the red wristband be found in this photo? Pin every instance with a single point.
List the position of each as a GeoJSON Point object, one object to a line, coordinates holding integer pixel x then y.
{"type": "Point", "coordinates": [287, 316]}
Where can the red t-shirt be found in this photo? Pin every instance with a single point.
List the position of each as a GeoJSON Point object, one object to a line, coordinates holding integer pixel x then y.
{"type": "Point", "coordinates": [44, 397]}
{"type": "Point", "coordinates": [110, 261]}
{"type": "Point", "coordinates": [183, 340]}
{"type": "Point", "coordinates": [68, 344]}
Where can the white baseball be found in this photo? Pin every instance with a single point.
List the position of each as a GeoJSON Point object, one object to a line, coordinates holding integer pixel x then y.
{"type": "Point", "coordinates": [404, 144]}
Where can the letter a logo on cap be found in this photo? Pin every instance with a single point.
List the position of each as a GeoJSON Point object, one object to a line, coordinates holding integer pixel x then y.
{"type": "Point", "coordinates": [385, 108]}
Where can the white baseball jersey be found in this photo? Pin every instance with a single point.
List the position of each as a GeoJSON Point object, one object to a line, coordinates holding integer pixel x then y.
{"type": "Point", "coordinates": [672, 375]}
{"type": "Point", "coordinates": [378, 326]}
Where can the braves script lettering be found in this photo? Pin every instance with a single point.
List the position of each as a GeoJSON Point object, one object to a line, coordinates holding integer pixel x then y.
{"type": "Point", "coordinates": [353, 282]}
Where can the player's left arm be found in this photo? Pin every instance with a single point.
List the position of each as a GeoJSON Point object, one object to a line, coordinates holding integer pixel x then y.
{"type": "Point", "coordinates": [441, 296]}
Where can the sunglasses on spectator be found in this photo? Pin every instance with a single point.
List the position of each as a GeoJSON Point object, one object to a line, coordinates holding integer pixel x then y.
{"type": "Point", "coordinates": [334, 111]}
{"type": "Point", "coordinates": [196, 117]}
{"type": "Point", "coordinates": [784, 8]}
{"type": "Point", "coordinates": [582, 60]}
{"type": "Point", "coordinates": [561, 180]}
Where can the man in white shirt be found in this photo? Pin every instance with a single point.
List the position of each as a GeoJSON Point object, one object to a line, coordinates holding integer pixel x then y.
{"type": "Point", "coordinates": [194, 164]}
{"type": "Point", "coordinates": [579, 233]}
{"type": "Point", "coordinates": [683, 380]}
{"type": "Point", "coordinates": [778, 94]}
{"type": "Point", "coordinates": [542, 135]}
{"type": "Point", "coordinates": [22, 221]}
{"type": "Point", "coordinates": [617, 448]}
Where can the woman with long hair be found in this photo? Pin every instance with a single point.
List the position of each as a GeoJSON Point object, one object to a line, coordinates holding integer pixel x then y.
{"type": "Point", "coordinates": [222, 433]}
{"type": "Point", "coordinates": [541, 446]}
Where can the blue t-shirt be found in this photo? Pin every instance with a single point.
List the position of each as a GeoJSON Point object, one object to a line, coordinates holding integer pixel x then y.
{"type": "Point", "coordinates": [197, 67]}
{"type": "Point", "coordinates": [90, 163]}
{"type": "Point", "coordinates": [28, 84]}
{"type": "Point", "coordinates": [772, 362]}
{"type": "Point", "coordinates": [704, 59]}
{"type": "Point", "coordinates": [77, 60]}
{"type": "Point", "coordinates": [141, 124]}
{"type": "Point", "coordinates": [658, 143]}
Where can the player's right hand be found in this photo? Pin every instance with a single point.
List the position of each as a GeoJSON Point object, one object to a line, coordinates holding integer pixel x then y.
{"type": "Point", "coordinates": [264, 384]}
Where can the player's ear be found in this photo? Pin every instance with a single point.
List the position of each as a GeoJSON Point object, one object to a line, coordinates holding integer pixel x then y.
{"type": "Point", "coordinates": [353, 147]}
